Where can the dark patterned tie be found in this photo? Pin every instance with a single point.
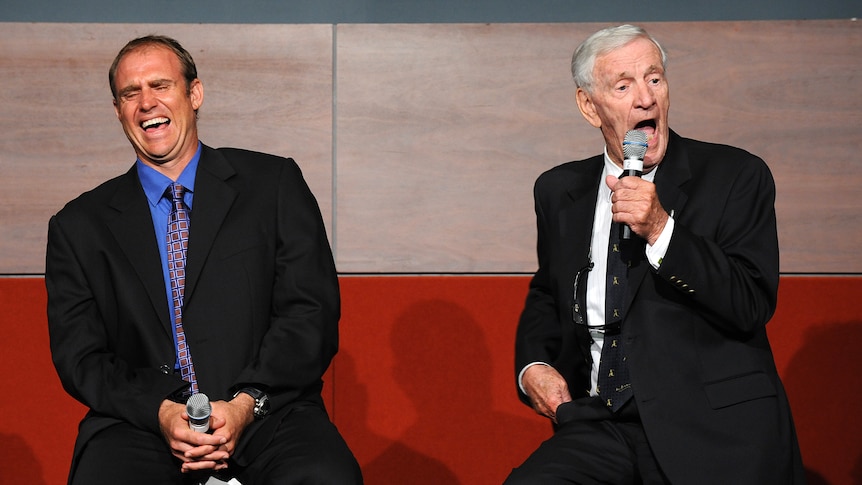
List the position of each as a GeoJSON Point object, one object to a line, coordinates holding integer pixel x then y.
{"type": "Point", "coordinates": [178, 243]}
{"type": "Point", "coordinates": [613, 385]}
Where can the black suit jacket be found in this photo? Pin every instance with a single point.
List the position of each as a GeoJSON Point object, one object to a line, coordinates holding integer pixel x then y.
{"type": "Point", "coordinates": [261, 300]}
{"type": "Point", "coordinates": [702, 370]}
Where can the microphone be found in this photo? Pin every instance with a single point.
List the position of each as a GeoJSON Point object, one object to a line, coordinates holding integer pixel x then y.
{"type": "Point", "coordinates": [199, 409]}
{"type": "Point", "coordinates": [634, 149]}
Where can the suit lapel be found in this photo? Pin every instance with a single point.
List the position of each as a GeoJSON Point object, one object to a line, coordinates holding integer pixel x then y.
{"type": "Point", "coordinates": [673, 172]}
{"type": "Point", "coordinates": [213, 200]}
{"type": "Point", "coordinates": [576, 222]}
{"type": "Point", "coordinates": [133, 230]}
{"type": "Point", "coordinates": [576, 214]}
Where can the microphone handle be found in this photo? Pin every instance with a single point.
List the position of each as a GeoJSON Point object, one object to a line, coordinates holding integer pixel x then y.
{"type": "Point", "coordinates": [626, 231]}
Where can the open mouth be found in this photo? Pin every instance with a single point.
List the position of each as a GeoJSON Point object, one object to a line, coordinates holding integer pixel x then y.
{"type": "Point", "coordinates": [155, 123]}
{"type": "Point", "coordinates": [646, 126]}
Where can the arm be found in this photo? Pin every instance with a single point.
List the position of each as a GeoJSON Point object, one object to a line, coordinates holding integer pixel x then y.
{"type": "Point", "coordinates": [302, 335]}
{"type": "Point", "coordinates": [732, 274]}
{"type": "Point", "coordinates": [83, 348]}
{"type": "Point", "coordinates": [83, 320]}
{"type": "Point", "coordinates": [723, 259]}
{"type": "Point", "coordinates": [538, 338]}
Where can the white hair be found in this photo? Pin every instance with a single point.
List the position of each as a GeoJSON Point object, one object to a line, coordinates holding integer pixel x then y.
{"type": "Point", "coordinates": [603, 42]}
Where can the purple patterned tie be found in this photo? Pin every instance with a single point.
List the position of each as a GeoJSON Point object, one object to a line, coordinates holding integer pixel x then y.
{"type": "Point", "coordinates": [178, 243]}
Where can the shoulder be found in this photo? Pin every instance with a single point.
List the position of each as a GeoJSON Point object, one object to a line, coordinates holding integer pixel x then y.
{"type": "Point", "coordinates": [240, 158]}
{"type": "Point", "coordinates": [255, 167]}
{"type": "Point", "coordinates": [97, 199]}
{"type": "Point", "coordinates": [716, 155]}
{"type": "Point", "coordinates": [714, 172]}
{"type": "Point", "coordinates": [565, 175]}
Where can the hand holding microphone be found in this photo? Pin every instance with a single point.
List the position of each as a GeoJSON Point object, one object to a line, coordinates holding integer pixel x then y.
{"type": "Point", "coordinates": [199, 409]}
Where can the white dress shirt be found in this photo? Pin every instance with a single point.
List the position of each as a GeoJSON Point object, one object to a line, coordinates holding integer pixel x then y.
{"type": "Point", "coordinates": [596, 278]}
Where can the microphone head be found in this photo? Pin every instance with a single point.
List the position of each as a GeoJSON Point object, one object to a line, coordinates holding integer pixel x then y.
{"type": "Point", "coordinates": [198, 406]}
{"type": "Point", "coordinates": [635, 144]}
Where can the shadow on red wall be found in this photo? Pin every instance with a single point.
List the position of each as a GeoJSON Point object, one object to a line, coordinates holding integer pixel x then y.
{"type": "Point", "coordinates": [822, 380]}
{"type": "Point", "coordinates": [437, 415]}
{"type": "Point", "coordinates": [20, 464]}
{"type": "Point", "coordinates": [376, 450]}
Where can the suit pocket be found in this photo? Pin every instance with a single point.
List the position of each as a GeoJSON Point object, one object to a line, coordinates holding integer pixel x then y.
{"type": "Point", "coordinates": [739, 389]}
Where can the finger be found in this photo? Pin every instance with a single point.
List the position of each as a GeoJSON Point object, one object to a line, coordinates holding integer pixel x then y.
{"type": "Point", "coordinates": [217, 421]}
{"type": "Point", "coordinates": [195, 439]}
{"type": "Point", "coordinates": [180, 448]}
{"type": "Point", "coordinates": [198, 465]}
{"type": "Point", "coordinates": [541, 410]}
{"type": "Point", "coordinates": [207, 452]}
{"type": "Point", "coordinates": [217, 455]}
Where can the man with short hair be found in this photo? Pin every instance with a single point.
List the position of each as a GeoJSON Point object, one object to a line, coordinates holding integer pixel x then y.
{"type": "Point", "coordinates": [650, 354]}
{"type": "Point", "coordinates": [198, 270]}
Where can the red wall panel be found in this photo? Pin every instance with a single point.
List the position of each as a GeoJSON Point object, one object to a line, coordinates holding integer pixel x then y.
{"type": "Point", "coordinates": [39, 419]}
{"type": "Point", "coordinates": [424, 386]}
{"type": "Point", "coordinates": [816, 335]}
{"type": "Point", "coordinates": [423, 390]}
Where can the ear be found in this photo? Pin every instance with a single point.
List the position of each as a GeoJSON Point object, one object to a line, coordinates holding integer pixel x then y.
{"type": "Point", "coordinates": [116, 108]}
{"type": "Point", "coordinates": [196, 93]}
{"type": "Point", "coordinates": [588, 108]}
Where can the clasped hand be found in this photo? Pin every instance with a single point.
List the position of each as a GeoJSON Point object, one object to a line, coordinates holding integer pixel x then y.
{"type": "Point", "coordinates": [203, 451]}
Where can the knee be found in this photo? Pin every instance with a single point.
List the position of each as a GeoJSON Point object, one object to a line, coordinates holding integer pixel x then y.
{"type": "Point", "coordinates": [519, 477]}
{"type": "Point", "coordinates": [326, 472]}
{"type": "Point", "coordinates": [344, 471]}
{"type": "Point", "coordinates": [322, 469]}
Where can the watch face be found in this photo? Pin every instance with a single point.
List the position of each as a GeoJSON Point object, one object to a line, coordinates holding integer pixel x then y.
{"type": "Point", "coordinates": [261, 406]}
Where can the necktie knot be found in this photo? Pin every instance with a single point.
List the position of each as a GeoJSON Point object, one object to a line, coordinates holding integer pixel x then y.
{"type": "Point", "coordinates": [177, 194]}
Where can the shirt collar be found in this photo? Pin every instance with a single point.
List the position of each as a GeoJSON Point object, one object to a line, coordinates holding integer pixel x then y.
{"type": "Point", "coordinates": [612, 168]}
{"type": "Point", "coordinates": [155, 184]}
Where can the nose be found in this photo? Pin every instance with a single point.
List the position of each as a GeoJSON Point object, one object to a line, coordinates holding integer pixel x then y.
{"type": "Point", "coordinates": [148, 99]}
{"type": "Point", "coordinates": [644, 96]}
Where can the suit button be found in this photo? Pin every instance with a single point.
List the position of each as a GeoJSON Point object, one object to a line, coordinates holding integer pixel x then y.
{"type": "Point", "coordinates": [165, 368]}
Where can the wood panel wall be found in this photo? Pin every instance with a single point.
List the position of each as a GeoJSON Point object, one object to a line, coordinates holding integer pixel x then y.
{"type": "Point", "coordinates": [422, 141]}
{"type": "Point", "coordinates": [266, 87]}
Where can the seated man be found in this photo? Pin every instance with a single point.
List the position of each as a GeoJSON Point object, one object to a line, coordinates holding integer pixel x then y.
{"type": "Point", "coordinates": [649, 353]}
{"type": "Point", "coordinates": [198, 270]}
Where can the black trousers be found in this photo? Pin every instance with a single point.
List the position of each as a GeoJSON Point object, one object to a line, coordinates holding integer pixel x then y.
{"type": "Point", "coordinates": [591, 445]}
{"type": "Point", "coordinates": [306, 448]}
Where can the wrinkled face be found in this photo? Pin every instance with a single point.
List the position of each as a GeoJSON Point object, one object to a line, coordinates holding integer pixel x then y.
{"type": "Point", "coordinates": [629, 92]}
{"type": "Point", "coordinates": [156, 107]}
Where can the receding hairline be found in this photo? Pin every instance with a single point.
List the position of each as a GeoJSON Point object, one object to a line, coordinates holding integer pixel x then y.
{"type": "Point", "coordinates": [188, 69]}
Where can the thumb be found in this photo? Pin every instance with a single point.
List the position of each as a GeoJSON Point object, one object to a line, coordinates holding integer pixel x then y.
{"type": "Point", "coordinates": [217, 421]}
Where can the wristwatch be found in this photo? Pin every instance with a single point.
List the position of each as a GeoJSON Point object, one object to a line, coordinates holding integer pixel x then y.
{"type": "Point", "coordinates": [261, 401]}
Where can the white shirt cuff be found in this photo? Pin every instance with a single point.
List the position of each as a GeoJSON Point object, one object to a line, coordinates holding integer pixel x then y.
{"type": "Point", "coordinates": [655, 252]}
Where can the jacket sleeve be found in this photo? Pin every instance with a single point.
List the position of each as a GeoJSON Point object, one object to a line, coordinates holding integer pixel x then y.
{"type": "Point", "coordinates": [728, 266]}
{"type": "Point", "coordinates": [538, 337]}
{"type": "Point", "coordinates": [302, 335]}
